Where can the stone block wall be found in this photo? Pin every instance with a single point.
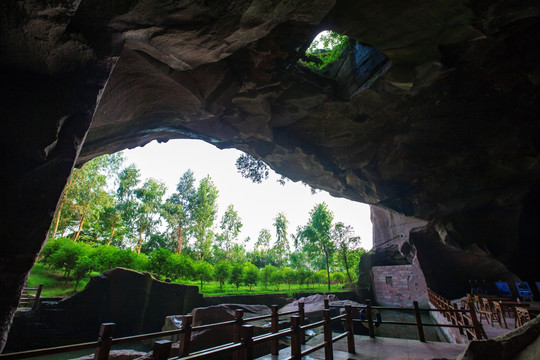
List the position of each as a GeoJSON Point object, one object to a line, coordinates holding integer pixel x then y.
{"type": "Point", "coordinates": [398, 285]}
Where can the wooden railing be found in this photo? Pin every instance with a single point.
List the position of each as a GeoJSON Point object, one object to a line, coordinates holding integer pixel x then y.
{"type": "Point", "coordinates": [27, 297]}
{"type": "Point", "coordinates": [241, 347]}
{"type": "Point", "coordinates": [464, 319]}
{"type": "Point", "coordinates": [243, 334]}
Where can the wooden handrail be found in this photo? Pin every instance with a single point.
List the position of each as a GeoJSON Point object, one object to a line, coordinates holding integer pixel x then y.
{"type": "Point", "coordinates": [244, 341]}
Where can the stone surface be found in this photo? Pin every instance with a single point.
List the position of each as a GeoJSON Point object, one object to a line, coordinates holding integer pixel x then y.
{"type": "Point", "coordinates": [208, 338]}
{"type": "Point", "coordinates": [118, 355]}
{"type": "Point", "coordinates": [134, 301]}
{"type": "Point", "coordinates": [517, 344]}
{"type": "Point", "coordinates": [448, 134]}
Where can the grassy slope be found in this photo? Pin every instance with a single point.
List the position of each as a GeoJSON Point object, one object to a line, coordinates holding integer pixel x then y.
{"type": "Point", "coordinates": [54, 285]}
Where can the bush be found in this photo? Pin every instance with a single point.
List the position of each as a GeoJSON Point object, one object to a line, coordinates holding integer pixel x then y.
{"type": "Point", "coordinates": [266, 274]}
{"type": "Point", "coordinates": [235, 276]}
{"type": "Point", "coordinates": [83, 268]}
{"type": "Point", "coordinates": [250, 274]}
{"type": "Point", "coordinates": [337, 277]}
{"type": "Point", "coordinates": [65, 258]}
{"type": "Point", "coordinates": [221, 272]}
{"type": "Point", "coordinates": [160, 262]}
{"type": "Point", "coordinates": [203, 271]}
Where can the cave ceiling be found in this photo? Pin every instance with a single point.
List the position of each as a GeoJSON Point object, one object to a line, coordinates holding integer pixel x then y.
{"type": "Point", "coordinates": [447, 131]}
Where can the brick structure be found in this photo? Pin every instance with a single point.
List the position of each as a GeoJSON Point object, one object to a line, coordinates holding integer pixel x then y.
{"type": "Point", "coordinates": [398, 285]}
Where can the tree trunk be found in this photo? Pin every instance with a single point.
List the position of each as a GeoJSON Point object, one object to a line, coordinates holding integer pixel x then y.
{"type": "Point", "coordinates": [327, 266]}
{"type": "Point", "coordinates": [346, 264]}
{"type": "Point", "coordinates": [179, 239]}
{"type": "Point", "coordinates": [112, 232]}
{"type": "Point", "coordinates": [80, 228]}
{"type": "Point", "coordinates": [58, 214]}
{"type": "Point", "coordinates": [139, 245]}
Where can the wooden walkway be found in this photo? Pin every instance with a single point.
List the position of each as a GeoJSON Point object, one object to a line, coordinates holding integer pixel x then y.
{"type": "Point", "coordinates": [381, 348]}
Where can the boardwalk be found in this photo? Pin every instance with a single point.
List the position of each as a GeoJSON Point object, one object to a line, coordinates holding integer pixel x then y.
{"type": "Point", "coordinates": [382, 348]}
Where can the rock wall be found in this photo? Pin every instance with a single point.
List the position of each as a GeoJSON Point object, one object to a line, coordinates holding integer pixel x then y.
{"type": "Point", "coordinates": [134, 301]}
{"type": "Point", "coordinates": [436, 256]}
{"type": "Point", "coordinates": [447, 131]}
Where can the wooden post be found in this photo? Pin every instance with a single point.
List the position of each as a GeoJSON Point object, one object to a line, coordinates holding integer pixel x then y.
{"type": "Point", "coordinates": [247, 340]}
{"type": "Point", "coordinates": [459, 319]}
{"type": "Point", "coordinates": [38, 295]}
{"type": "Point", "coordinates": [296, 346]}
{"type": "Point", "coordinates": [477, 327]}
{"type": "Point", "coordinates": [162, 349]}
{"type": "Point", "coordinates": [350, 329]}
{"type": "Point", "coordinates": [328, 345]}
{"type": "Point", "coordinates": [466, 322]}
{"type": "Point", "coordinates": [185, 336]}
{"type": "Point", "coordinates": [419, 322]}
{"type": "Point", "coordinates": [302, 315]}
{"type": "Point", "coordinates": [274, 328]}
{"type": "Point", "coordinates": [370, 318]}
{"type": "Point", "coordinates": [237, 333]}
{"type": "Point", "coordinates": [326, 304]}
{"type": "Point", "coordinates": [104, 341]}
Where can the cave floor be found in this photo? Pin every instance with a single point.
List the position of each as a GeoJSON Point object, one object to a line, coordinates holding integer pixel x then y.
{"type": "Point", "coordinates": [382, 348]}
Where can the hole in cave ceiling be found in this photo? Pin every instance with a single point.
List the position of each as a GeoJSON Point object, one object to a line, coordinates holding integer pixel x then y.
{"type": "Point", "coordinates": [346, 60]}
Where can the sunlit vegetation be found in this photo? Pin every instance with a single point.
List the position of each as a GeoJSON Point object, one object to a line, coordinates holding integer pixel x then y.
{"type": "Point", "coordinates": [108, 217]}
{"type": "Point", "coordinates": [325, 49]}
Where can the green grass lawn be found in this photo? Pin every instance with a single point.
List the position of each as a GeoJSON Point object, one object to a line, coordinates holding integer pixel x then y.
{"type": "Point", "coordinates": [212, 288]}
{"type": "Point", "coordinates": [54, 285]}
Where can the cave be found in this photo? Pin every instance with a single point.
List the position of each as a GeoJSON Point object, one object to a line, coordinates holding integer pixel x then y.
{"type": "Point", "coordinates": [441, 137]}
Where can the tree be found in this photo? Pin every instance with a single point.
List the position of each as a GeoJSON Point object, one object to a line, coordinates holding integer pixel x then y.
{"type": "Point", "coordinates": [80, 199]}
{"type": "Point", "coordinates": [302, 275]}
{"type": "Point", "coordinates": [250, 274]}
{"type": "Point", "coordinates": [182, 266]}
{"type": "Point", "coordinates": [158, 241]}
{"type": "Point", "coordinates": [177, 209]}
{"type": "Point", "coordinates": [277, 278]}
{"type": "Point", "coordinates": [204, 213]}
{"type": "Point", "coordinates": [83, 268]}
{"type": "Point", "coordinates": [66, 257]}
{"type": "Point", "coordinates": [288, 275]}
{"type": "Point", "coordinates": [325, 49]}
{"type": "Point", "coordinates": [281, 247]}
{"type": "Point", "coordinates": [147, 212]}
{"type": "Point", "coordinates": [263, 243]}
{"type": "Point", "coordinates": [338, 277]}
{"type": "Point", "coordinates": [126, 201]}
{"type": "Point", "coordinates": [203, 271]}
{"type": "Point", "coordinates": [221, 272]}
{"type": "Point", "coordinates": [316, 236]}
{"type": "Point", "coordinates": [344, 237]}
{"type": "Point", "coordinates": [252, 168]}
{"type": "Point", "coordinates": [266, 275]}
{"type": "Point", "coordinates": [235, 276]}
{"type": "Point", "coordinates": [160, 262]}
{"type": "Point", "coordinates": [230, 226]}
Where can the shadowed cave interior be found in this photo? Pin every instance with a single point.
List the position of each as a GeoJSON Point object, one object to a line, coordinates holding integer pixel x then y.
{"type": "Point", "coordinates": [440, 136]}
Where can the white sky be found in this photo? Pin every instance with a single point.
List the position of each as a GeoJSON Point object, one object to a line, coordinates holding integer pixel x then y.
{"type": "Point", "coordinates": [256, 204]}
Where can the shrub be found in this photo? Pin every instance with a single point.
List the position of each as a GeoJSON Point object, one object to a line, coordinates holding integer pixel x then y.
{"type": "Point", "coordinates": [250, 274]}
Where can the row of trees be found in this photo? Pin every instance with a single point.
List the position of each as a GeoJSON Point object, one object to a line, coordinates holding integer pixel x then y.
{"type": "Point", "coordinates": [77, 260]}
{"type": "Point", "coordinates": [106, 203]}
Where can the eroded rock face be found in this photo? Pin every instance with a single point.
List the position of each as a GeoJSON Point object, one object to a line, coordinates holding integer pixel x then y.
{"type": "Point", "coordinates": [448, 134]}
{"type": "Point", "coordinates": [136, 302]}
{"type": "Point", "coordinates": [521, 343]}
